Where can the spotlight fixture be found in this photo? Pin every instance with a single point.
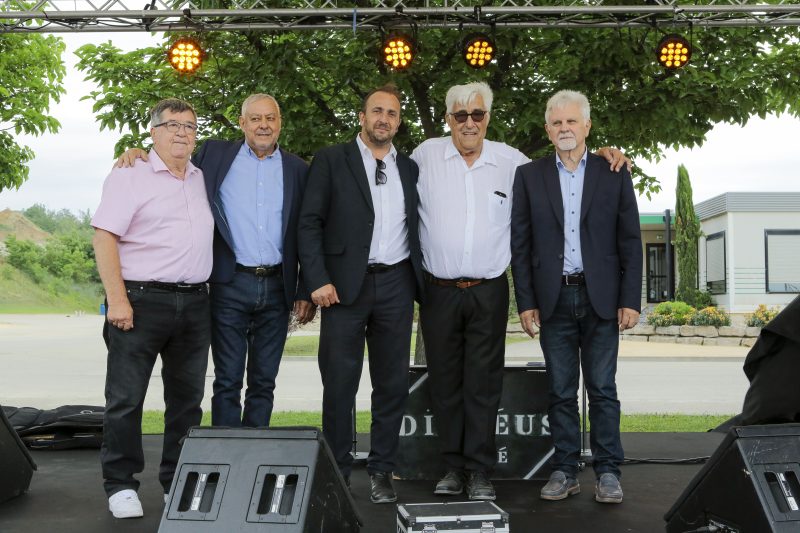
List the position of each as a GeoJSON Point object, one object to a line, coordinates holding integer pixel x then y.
{"type": "Point", "coordinates": [185, 55]}
{"type": "Point", "coordinates": [398, 51]}
{"type": "Point", "coordinates": [673, 52]}
{"type": "Point", "coordinates": [478, 50]}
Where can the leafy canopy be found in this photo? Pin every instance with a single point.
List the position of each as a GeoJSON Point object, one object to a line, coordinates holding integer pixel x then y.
{"type": "Point", "coordinates": [31, 73]}
{"type": "Point", "coordinates": [320, 77]}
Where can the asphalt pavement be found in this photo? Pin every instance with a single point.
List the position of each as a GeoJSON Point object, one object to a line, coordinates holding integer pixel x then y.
{"type": "Point", "coordinates": [52, 360]}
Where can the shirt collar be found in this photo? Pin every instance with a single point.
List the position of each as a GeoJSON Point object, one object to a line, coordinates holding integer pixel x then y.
{"type": "Point", "coordinates": [366, 152]}
{"type": "Point", "coordinates": [487, 157]}
{"type": "Point", "coordinates": [158, 165]}
{"type": "Point", "coordinates": [581, 163]}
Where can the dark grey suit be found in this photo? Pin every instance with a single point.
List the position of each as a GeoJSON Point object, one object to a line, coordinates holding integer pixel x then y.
{"type": "Point", "coordinates": [335, 231]}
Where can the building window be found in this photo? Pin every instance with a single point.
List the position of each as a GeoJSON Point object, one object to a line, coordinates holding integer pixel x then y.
{"type": "Point", "coordinates": [782, 259]}
{"type": "Point", "coordinates": [715, 263]}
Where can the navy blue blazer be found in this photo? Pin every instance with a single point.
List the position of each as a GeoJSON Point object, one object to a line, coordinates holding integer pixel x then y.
{"type": "Point", "coordinates": [337, 219]}
{"type": "Point", "coordinates": [611, 243]}
{"type": "Point", "coordinates": [215, 159]}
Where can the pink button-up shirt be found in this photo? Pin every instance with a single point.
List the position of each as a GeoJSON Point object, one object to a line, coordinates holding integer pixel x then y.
{"type": "Point", "coordinates": [164, 223]}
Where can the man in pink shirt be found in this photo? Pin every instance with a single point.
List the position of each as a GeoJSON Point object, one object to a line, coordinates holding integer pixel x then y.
{"type": "Point", "coordinates": [153, 245]}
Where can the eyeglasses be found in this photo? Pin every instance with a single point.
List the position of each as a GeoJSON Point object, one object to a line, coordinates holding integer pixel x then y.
{"type": "Point", "coordinates": [173, 126]}
{"type": "Point", "coordinates": [461, 116]}
{"type": "Point", "coordinates": [380, 175]}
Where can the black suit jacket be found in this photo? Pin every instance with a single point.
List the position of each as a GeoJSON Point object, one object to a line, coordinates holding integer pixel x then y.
{"type": "Point", "coordinates": [337, 219]}
{"type": "Point", "coordinates": [215, 159]}
{"type": "Point", "coordinates": [611, 244]}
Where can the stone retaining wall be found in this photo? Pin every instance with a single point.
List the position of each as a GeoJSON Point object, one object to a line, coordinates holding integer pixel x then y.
{"type": "Point", "coordinates": [697, 335]}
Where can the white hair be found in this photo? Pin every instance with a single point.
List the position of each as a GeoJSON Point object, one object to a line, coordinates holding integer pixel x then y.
{"type": "Point", "coordinates": [562, 99]}
{"type": "Point", "coordinates": [255, 98]}
{"type": "Point", "coordinates": [465, 94]}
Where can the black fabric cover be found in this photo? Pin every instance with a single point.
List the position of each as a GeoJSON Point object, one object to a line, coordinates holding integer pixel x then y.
{"type": "Point", "coordinates": [65, 427]}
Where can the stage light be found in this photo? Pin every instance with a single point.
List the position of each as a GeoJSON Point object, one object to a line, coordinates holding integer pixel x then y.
{"type": "Point", "coordinates": [673, 52]}
{"type": "Point", "coordinates": [478, 50]}
{"type": "Point", "coordinates": [398, 51]}
{"type": "Point", "coordinates": [185, 55]}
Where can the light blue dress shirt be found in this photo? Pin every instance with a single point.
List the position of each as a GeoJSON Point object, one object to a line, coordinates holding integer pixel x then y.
{"type": "Point", "coordinates": [571, 195]}
{"type": "Point", "coordinates": [252, 197]}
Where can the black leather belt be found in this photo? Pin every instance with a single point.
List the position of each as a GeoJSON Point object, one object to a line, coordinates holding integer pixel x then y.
{"type": "Point", "coordinates": [573, 279]}
{"type": "Point", "coordinates": [378, 268]}
{"type": "Point", "coordinates": [172, 287]}
{"type": "Point", "coordinates": [461, 283]}
{"type": "Point", "coordinates": [261, 271]}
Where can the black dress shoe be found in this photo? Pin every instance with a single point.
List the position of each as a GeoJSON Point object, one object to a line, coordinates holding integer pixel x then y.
{"type": "Point", "coordinates": [479, 487]}
{"type": "Point", "coordinates": [451, 484]}
{"type": "Point", "coordinates": [382, 490]}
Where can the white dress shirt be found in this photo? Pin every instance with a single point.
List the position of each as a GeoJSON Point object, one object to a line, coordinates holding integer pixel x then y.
{"type": "Point", "coordinates": [465, 212]}
{"type": "Point", "coordinates": [390, 233]}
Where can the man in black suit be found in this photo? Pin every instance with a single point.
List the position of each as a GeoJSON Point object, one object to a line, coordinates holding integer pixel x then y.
{"type": "Point", "coordinates": [254, 188]}
{"type": "Point", "coordinates": [577, 265]}
{"type": "Point", "coordinates": [360, 253]}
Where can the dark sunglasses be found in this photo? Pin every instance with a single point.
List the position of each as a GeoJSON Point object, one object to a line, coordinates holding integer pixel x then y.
{"type": "Point", "coordinates": [380, 175]}
{"type": "Point", "coordinates": [461, 116]}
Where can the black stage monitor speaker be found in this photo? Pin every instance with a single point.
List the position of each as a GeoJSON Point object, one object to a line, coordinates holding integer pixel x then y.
{"type": "Point", "coordinates": [750, 484]}
{"type": "Point", "coordinates": [16, 464]}
{"type": "Point", "coordinates": [277, 480]}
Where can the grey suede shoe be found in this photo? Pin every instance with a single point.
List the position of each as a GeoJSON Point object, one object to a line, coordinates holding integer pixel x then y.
{"type": "Point", "coordinates": [608, 489]}
{"type": "Point", "coordinates": [559, 487]}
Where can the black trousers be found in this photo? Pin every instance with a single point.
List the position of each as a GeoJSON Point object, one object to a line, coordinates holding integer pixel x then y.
{"type": "Point", "coordinates": [381, 316]}
{"type": "Point", "coordinates": [465, 333]}
{"type": "Point", "coordinates": [177, 326]}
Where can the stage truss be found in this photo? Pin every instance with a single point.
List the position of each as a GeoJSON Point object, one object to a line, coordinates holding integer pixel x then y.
{"type": "Point", "coordinates": [83, 16]}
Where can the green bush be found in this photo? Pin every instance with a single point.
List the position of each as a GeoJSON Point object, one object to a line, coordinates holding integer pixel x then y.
{"type": "Point", "coordinates": [710, 316]}
{"type": "Point", "coordinates": [761, 316]}
{"type": "Point", "coordinates": [670, 314]}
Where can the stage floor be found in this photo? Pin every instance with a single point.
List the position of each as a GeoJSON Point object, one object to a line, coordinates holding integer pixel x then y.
{"type": "Point", "coordinates": [66, 493]}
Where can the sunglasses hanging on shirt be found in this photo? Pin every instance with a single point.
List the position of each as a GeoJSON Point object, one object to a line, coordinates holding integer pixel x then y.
{"type": "Point", "coordinates": [380, 175]}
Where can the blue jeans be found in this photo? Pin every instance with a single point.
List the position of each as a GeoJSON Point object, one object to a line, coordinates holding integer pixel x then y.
{"type": "Point", "coordinates": [575, 335]}
{"type": "Point", "coordinates": [175, 325]}
{"type": "Point", "coordinates": [249, 322]}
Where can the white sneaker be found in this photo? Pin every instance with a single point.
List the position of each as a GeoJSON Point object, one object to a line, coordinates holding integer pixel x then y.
{"type": "Point", "coordinates": [166, 498]}
{"type": "Point", "coordinates": [125, 504]}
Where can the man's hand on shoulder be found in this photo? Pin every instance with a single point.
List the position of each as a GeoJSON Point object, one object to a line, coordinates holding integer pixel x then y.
{"type": "Point", "coordinates": [325, 296]}
{"type": "Point", "coordinates": [529, 319]}
{"type": "Point", "coordinates": [615, 157]}
{"type": "Point", "coordinates": [627, 318]}
{"type": "Point", "coordinates": [129, 157]}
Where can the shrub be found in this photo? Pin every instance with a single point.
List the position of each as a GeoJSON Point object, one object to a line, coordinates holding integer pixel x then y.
{"type": "Point", "coordinates": [710, 316]}
{"type": "Point", "coordinates": [761, 316]}
{"type": "Point", "coordinates": [670, 314]}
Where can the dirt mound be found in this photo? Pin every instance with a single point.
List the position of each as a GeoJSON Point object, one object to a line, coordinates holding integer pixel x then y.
{"type": "Point", "coordinates": [15, 223]}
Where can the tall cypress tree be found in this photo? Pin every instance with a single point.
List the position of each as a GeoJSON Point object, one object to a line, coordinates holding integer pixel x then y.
{"type": "Point", "coordinates": [687, 231]}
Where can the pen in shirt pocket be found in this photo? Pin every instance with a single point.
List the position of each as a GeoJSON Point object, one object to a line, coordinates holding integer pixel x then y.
{"type": "Point", "coordinates": [502, 195]}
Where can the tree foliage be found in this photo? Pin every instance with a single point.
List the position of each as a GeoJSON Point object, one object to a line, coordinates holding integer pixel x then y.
{"type": "Point", "coordinates": [320, 77]}
{"type": "Point", "coordinates": [687, 231]}
{"type": "Point", "coordinates": [66, 257]}
{"type": "Point", "coordinates": [59, 222]}
{"type": "Point", "coordinates": [31, 73]}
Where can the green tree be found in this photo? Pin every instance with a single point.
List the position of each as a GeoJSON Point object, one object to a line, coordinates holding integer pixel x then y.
{"type": "Point", "coordinates": [58, 222]}
{"type": "Point", "coordinates": [319, 78]}
{"type": "Point", "coordinates": [687, 231]}
{"type": "Point", "coordinates": [31, 72]}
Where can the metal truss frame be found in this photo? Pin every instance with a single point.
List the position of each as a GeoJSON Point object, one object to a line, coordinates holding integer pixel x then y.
{"type": "Point", "coordinates": [84, 16]}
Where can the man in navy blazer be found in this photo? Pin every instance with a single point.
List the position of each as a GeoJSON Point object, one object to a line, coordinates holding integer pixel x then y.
{"type": "Point", "coordinates": [361, 258]}
{"type": "Point", "coordinates": [254, 189]}
{"type": "Point", "coordinates": [577, 266]}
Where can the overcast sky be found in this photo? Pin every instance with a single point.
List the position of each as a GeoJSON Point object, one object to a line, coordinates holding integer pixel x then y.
{"type": "Point", "coordinates": [70, 166]}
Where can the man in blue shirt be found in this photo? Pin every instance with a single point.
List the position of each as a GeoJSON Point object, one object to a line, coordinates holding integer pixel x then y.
{"type": "Point", "coordinates": [576, 257]}
{"type": "Point", "coordinates": [254, 188]}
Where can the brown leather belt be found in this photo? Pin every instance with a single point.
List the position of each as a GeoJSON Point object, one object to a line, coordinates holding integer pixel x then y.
{"type": "Point", "coordinates": [461, 283]}
{"type": "Point", "coordinates": [261, 271]}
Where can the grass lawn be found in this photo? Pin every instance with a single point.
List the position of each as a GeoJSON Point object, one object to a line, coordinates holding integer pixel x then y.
{"type": "Point", "coordinates": [309, 344]}
{"type": "Point", "coordinates": [153, 421]}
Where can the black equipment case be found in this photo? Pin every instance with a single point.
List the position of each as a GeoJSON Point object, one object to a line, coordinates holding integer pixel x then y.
{"type": "Point", "coordinates": [455, 517]}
